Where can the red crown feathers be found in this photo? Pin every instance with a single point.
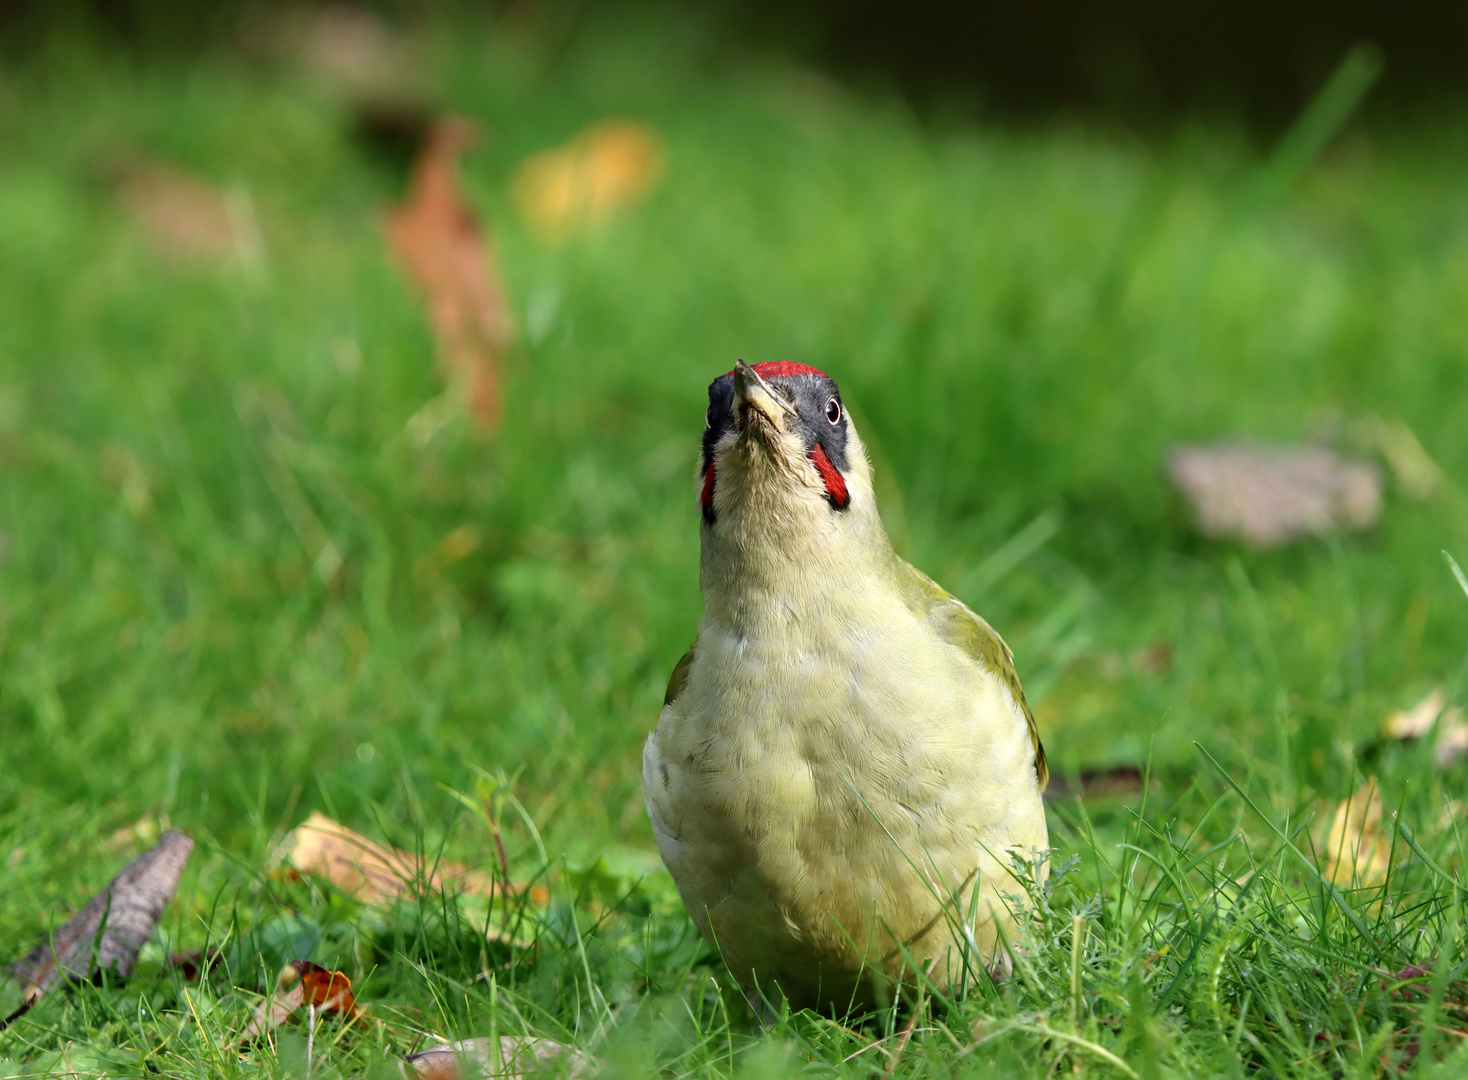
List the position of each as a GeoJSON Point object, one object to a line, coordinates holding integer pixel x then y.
{"type": "Point", "coordinates": [780, 369]}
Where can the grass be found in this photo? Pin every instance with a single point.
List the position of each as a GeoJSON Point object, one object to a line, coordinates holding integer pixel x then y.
{"type": "Point", "coordinates": [1022, 321]}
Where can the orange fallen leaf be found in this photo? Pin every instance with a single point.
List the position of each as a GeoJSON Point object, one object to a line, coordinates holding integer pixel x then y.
{"type": "Point", "coordinates": [302, 982]}
{"type": "Point", "coordinates": [439, 245]}
{"type": "Point", "coordinates": [377, 874]}
{"type": "Point", "coordinates": [323, 988]}
{"type": "Point", "coordinates": [602, 169]}
{"type": "Point", "coordinates": [1357, 852]}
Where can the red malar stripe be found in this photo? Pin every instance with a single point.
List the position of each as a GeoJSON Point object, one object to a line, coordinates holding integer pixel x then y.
{"type": "Point", "coordinates": [707, 498]}
{"type": "Point", "coordinates": [834, 481]}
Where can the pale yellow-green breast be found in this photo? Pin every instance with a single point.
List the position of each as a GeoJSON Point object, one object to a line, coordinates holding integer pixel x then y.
{"type": "Point", "coordinates": [817, 786]}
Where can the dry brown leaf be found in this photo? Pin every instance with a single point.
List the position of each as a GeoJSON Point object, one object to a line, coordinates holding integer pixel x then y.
{"type": "Point", "coordinates": [109, 931]}
{"type": "Point", "coordinates": [518, 1056]}
{"type": "Point", "coordinates": [357, 54]}
{"type": "Point", "coordinates": [1357, 852]}
{"type": "Point", "coordinates": [438, 244]}
{"type": "Point", "coordinates": [602, 169]}
{"type": "Point", "coordinates": [272, 1012]}
{"type": "Point", "coordinates": [1270, 495]}
{"type": "Point", "coordinates": [377, 874]}
{"type": "Point", "coordinates": [185, 218]}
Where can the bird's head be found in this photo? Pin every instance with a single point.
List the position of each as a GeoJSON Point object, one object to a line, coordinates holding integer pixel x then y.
{"type": "Point", "coordinates": [783, 474]}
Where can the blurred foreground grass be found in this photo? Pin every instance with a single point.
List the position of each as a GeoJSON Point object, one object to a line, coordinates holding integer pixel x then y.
{"type": "Point", "coordinates": [1022, 322]}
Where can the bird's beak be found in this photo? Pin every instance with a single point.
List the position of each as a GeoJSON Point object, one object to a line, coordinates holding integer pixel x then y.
{"type": "Point", "coordinates": [752, 391]}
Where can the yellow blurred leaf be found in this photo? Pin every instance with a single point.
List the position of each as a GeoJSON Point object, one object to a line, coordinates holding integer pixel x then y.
{"type": "Point", "coordinates": [1357, 851]}
{"type": "Point", "coordinates": [1417, 721]}
{"type": "Point", "coordinates": [602, 169]}
{"type": "Point", "coordinates": [1420, 719]}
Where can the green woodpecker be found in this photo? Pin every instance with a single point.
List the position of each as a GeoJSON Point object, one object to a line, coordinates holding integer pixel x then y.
{"type": "Point", "coordinates": [845, 764]}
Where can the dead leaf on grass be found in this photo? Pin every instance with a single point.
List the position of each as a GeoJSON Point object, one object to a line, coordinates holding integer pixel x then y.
{"type": "Point", "coordinates": [185, 218]}
{"type": "Point", "coordinates": [1357, 852]}
{"type": "Point", "coordinates": [1270, 495]}
{"type": "Point", "coordinates": [108, 932]}
{"type": "Point", "coordinates": [378, 874]}
{"type": "Point", "coordinates": [1431, 712]}
{"type": "Point", "coordinates": [302, 982]}
{"type": "Point", "coordinates": [1417, 721]}
{"type": "Point", "coordinates": [322, 988]}
{"type": "Point", "coordinates": [1452, 739]}
{"type": "Point", "coordinates": [609, 165]}
{"type": "Point", "coordinates": [517, 1056]}
{"type": "Point", "coordinates": [272, 1012]}
{"type": "Point", "coordinates": [357, 54]}
{"type": "Point", "coordinates": [439, 245]}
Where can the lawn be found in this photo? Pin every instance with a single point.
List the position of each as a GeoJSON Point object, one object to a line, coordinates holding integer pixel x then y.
{"type": "Point", "coordinates": [1023, 320]}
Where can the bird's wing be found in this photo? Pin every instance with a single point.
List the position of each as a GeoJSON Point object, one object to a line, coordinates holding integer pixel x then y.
{"type": "Point", "coordinates": [679, 679]}
{"type": "Point", "coordinates": [655, 779]}
{"type": "Point", "coordinates": [964, 629]}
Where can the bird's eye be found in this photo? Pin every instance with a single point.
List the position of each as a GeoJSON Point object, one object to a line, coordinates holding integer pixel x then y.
{"type": "Point", "coordinates": [833, 411]}
{"type": "Point", "coordinates": [708, 417]}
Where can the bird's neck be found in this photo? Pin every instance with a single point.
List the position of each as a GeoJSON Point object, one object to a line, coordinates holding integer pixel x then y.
{"type": "Point", "coordinates": [769, 579]}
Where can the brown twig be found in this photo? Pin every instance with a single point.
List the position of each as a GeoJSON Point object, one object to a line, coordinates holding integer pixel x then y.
{"type": "Point", "coordinates": [499, 846]}
{"type": "Point", "coordinates": [25, 1007]}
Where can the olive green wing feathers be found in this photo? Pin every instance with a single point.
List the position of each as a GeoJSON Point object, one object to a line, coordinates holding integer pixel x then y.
{"type": "Point", "coordinates": [656, 781]}
{"type": "Point", "coordinates": [962, 628]}
{"type": "Point", "coordinates": [679, 679]}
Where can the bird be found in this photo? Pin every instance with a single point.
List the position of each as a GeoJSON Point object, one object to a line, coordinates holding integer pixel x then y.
{"type": "Point", "coordinates": [845, 780]}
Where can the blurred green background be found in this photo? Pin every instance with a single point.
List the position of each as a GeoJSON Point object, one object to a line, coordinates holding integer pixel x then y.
{"type": "Point", "coordinates": [1025, 313]}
